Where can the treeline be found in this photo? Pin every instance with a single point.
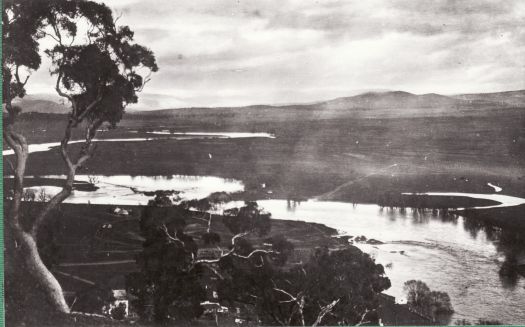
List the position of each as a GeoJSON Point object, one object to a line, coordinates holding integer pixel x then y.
{"type": "Point", "coordinates": [250, 278]}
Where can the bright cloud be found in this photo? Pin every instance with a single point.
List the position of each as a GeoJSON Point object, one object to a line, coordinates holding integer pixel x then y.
{"type": "Point", "coordinates": [239, 52]}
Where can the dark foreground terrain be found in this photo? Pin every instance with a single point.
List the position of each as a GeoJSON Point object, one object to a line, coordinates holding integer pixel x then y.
{"type": "Point", "coordinates": [84, 254]}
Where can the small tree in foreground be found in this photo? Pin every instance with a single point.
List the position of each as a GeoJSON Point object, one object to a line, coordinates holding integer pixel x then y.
{"type": "Point", "coordinates": [432, 304]}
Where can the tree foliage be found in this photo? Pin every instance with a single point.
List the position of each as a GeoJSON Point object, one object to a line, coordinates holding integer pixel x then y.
{"type": "Point", "coordinates": [22, 22]}
{"type": "Point", "coordinates": [282, 247]}
{"type": "Point", "coordinates": [423, 300]}
{"type": "Point", "coordinates": [331, 289]}
{"type": "Point", "coordinates": [211, 238]}
{"type": "Point", "coordinates": [247, 219]}
{"type": "Point", "coordinates": [168, 285]}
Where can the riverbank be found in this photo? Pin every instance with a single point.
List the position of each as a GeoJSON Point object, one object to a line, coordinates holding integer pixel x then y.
{"type": "Point", "coordinates": [512, 218]}
{"type": "Point", "coordinates": [404, 192]}
{"type": "Point", "coordinates": [89, 246]}
{"type": "Point", "coordinates": [94, 245]}
{"type": "Point", "coordinates": [98, 245]}
{"type": "Point", "coordinates": [92, 242]}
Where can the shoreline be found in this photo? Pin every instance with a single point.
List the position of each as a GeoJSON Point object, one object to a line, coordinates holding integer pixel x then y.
{"type": "Point", "coordinates": [502, 217]}
{"type": "Point", "coordinates": [83, 219]}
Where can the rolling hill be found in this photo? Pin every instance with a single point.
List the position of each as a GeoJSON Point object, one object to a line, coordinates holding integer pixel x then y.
{"type": "Point", "coordinates": [390, 103]}
{"type": "Point", "coordinates": [393, 100]}
{"type": "Point", "coordinates": [512, 98]}
{"type": "Point", "coordinates": [42, 103]}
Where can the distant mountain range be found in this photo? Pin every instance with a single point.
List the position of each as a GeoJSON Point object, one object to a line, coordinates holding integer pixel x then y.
{"type": "Point", "coordinates": [369, 100]}
{"type": "Point", "coordinates": [513, 98]}
{"type": "Point", "coordinates": [394, 100]}
{"type": "Point", "coordinates": [43, 103]}
{"type": "Point", "coordinates": [406, 100]}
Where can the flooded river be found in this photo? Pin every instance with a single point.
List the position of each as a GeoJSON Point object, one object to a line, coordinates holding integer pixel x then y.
{"type": "Point", "coordinates": [445, 251]}
{"type": "Point", "coordinates": [129, 190]}
{"type": "Point", "coordinates": [172, 136]}
{"type": "Point", "coordinates": [441, 250]}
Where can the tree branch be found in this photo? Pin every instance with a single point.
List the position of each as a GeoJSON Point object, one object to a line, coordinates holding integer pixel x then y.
{"type": "Point", "coordinates": [362, 320]}
{"type": "Point", "coordinates": [298, 300]}
{"type": "Point", "coordinates": [292, 298]}
{"type": "Point", "coordinates": [55, 200]}
{"type": "Point", "coordinates": [72, 169]}
{"type": "Point", "coordinates": [146, 80]}
{"type": "Point", "coordinates": [62, 93]}
{"type": "Point", "coordinates": [164, 228]}
{"type": "Point", "coordinates": [253, 253]}
{"type": "Point", "coordinates": [19, 145]}
{"type": "Point", "coordinates": [324, 311]}
{"type": "Point", "coordinates": [235, 237]}
{"type": "Point", "coordinates": [89, 108]}
{"type": "Point", "coordinates": [64, 145]}
{"type": "Point", "coordinates": [17, 76]}
{"type": "Point", "coordinates": [215, 271]}
{"type": "Point", "coordinates": [52, 36]}
{"type": "Point", "coordinates": [10, 164]}
{"type": "Point", "coordinates": [232, 253]}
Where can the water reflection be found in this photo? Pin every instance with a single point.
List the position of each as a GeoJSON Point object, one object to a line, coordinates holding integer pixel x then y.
{"type": "Point", "coordinates": [291, 205]}
{"type": "Point", "coordinates": [450, 253]}
{"type": "Point", "coordinates": [138, 190]}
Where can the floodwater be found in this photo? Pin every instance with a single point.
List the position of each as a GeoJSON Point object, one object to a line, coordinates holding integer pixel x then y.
{"type": "Point", "coordinates": [176, 136]}
{"type": "Point", "coordinates": [129, 190]}
{"type": "Point", "coordinates": [444, 252]}
{"type": "Point", "coordinates": [233, 135]}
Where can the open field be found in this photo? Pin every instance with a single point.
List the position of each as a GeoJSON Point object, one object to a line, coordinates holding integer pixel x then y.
{"type": "Point", "coordinates": [88, 253]}
{"type": "Point", "coordinates": [361, 156]}
{"type": "Point", "coordinates": [354, 158]}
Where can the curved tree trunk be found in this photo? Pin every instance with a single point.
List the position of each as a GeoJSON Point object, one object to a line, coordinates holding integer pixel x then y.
{"type": "Point", "coordinates": [22, 246]}
{"type": "Point", "coordinates": [38, 272]}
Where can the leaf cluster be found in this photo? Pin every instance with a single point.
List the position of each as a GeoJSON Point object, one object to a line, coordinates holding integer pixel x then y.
{"type": "Point", "coordinates": [248, 218]}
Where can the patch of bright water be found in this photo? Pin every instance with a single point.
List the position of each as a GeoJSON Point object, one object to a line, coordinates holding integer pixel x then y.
{"type": "Point", "coordinates": [235, 135]}
{"type": "Point", "coordinates": [497, 189]}
{"type": "Point", "coordinates": [177, 136]}
{"type": "Point", "coordinates": [126, 190]}
{"type": "Point", "coordinates": [444, 253]}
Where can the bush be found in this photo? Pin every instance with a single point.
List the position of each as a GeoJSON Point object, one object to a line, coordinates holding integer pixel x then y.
{"type": "Point", "coordinates": [168, 286]}
{"type": "Point", "coordinates": [248, 219]}
{"type": "Point", "coordinates": [281, 245]}
{"type": "Point", "coordinates": [119, 312]}
{"type": "Point", "coordinates": [211, 238]}
{"type": "Point", "coordinates": [429, 303]}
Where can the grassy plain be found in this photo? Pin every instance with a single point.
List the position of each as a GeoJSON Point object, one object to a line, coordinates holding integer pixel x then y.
{"type": "Point", "coordinates": [311, 156]}
{"type": "Point", "coordinates": [355, 156]}
{"type": "Point", "coordinates": [349, 155]}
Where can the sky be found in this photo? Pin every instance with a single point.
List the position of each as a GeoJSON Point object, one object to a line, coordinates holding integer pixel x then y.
{"type": "Point", "coordinates": [239, 52]}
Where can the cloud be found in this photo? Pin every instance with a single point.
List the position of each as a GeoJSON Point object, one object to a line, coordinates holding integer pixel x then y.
{"type": "Point", "coordinates": [237, 52]}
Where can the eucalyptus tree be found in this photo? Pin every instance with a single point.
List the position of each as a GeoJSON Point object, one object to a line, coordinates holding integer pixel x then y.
{"type": "Point", "coordinates": [333, 288]}
{"type": "Point", "coordinates": [98, 69]}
